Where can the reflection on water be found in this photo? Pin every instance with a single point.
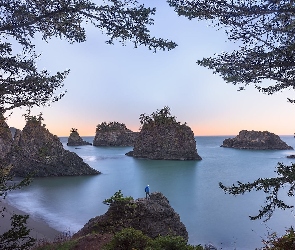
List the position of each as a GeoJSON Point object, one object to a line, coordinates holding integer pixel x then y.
{"type": "Point", "coordinates": [67, 203]}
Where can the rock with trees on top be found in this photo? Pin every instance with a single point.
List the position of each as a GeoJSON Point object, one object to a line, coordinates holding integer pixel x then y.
{"type": "Point", "coordinates": [161, 137]}
{"type": "Point", "coordinates": [114, 134]}
{"type": "Point", "coordinates": [36, 152]}
{"type": "Point", "coordinates": [75, 139]}
{"type": "Point", "coordinates": [153, 216]}
{"type": "Point", "coordinates": [260, 140]}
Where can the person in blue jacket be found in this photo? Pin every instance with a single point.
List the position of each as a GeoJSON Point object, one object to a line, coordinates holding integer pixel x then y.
{"type": "Point", "coordinates": [147, 191]}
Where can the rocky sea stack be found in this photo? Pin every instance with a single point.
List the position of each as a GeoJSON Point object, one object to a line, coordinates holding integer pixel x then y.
{"type": "Point", "coordinates": [35, 151]}
{"type": "Point", "coordinates": [163, 138]}
{"type": "Point", "coordinates": [260, 140]}
{"type": "Point", "coordinates": [75, 139]}
{"type": "Point", "coordinates": [114, 134]}
{"type": "Point", "coordinates": [153, 216]}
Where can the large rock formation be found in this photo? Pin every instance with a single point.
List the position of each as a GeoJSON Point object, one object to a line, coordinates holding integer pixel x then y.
{"type": "Point", "coordinates": [6, 141]}
{"type": "Point", "coordinates": [161, 137]}
{"type": "Point", "coordinates": [153, 216]}
{"type": "Point", "coordinates": [255, 140]}
{"type": "Point", "coordinates": [37, 152]}
{"type": "Point", "coordinates": [114, 134]}
{"type": "Point", "coordinates": [75, 139]}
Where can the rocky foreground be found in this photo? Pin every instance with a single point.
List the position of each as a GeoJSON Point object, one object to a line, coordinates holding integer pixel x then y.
{"type": "Point", "coordinates": [36, 152]}
{"type": "Point", "coordinates": [256, 140]}
{"type": "Point", "coordinates": [153, 216]}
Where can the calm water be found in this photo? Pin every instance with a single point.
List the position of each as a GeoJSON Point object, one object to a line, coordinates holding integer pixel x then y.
{"type": "Point", "coordinates": [210, 216]}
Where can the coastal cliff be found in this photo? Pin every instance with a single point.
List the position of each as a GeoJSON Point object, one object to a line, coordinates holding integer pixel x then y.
{"type": "Point", "coordinates": [153, 216]}
{"type": "Point", "coordinates": [162, 137]}
{"type": "Point", "coordinates": [6, 140]}
{"type": "Point", "coordinates": [260, 140]}
{"type": "Point", "coordinates": [114, 134]}
{"type": "Point", "coordinates": [35, 151]}
{"type": "Point", "coordinates": [75, 139]}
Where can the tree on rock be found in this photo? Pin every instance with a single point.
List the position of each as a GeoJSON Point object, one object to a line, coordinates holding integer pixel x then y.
{"type": "Point", "coordinates": [162, 137]}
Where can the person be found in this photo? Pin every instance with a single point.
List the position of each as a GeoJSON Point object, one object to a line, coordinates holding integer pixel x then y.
{"type": "Point", "coordinates": [147, 191]}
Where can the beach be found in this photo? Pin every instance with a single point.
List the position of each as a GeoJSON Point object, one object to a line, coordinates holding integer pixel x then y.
{"type": "Point", "coordinates": [39, 229]}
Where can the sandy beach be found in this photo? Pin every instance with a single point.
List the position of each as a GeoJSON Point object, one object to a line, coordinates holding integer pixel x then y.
{"type": "Point", "coordinates": [39, 229]}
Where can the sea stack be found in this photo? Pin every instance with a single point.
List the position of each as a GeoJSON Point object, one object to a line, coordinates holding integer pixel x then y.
{"type": "Point", "coordinates": [163, 138]}
{"type": "Point", "coordinates": [259, 140]}
{"type": "Point", "coordinates": [37, 152]}
{"type": "Point", "coordinates": [75, 139]}
{"type": "Point", "coordinates": [114, 134]}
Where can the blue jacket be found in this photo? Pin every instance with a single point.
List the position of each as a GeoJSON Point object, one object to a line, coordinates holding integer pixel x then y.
{"type": "Point", "coordinates": [147, 189]}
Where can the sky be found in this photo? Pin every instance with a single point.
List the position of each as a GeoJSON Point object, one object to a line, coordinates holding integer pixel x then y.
{"type": "Point", "coordinates": [118, 83]}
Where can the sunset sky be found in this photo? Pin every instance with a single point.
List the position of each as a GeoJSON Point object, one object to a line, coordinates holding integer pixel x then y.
{"type": "Point", "coordinates": [118, 83]}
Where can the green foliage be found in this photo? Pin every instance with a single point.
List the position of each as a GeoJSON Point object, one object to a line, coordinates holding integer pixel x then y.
{"type": "Point", "coordinates": [74, 130]}
{"type": "Point", "coordinates": [160, 117]}
{"type": "Point", "coordinates": [263, 30]}
{"type": "Point", "coordinates": [34, 119]}
{"type": "Point", "coordinates": [270, 186]}
{"type": "Point", "coordinates": [130, 238]}
{"type": "Point", "coordinates": [274, 242]}
{"type": "Point", "coordinates": [118, 197]}
{"type": "Point", "coordinates": [21, 84]}
{"type": "Point", "coordinates": [171, 243]}
{"type": "Point", "coordinates": [111, 126]}
{"type": "Point", "coordinates": [18, 236]}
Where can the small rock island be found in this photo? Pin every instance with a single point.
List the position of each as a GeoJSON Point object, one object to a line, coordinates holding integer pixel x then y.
{"type": "Point", "coordinates": [75, 139]}
{"type": "Point", "coordinates": [114, 134]}
{"type": "Point", "coordinates": [163, 138]}
{"type": "Point", "coordinates": [259, 140]}
{"type": "Point", "coordinates": [36, 152]}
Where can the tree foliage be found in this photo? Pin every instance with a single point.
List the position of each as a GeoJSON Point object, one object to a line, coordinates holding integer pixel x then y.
{"type": "Point", "coordinates": [160, 117]}
{"type": "Point", "coordinates": [271, 187]}
{"type": "Point", "coordinates": [21, 83]}
{"type": "Point", "coordinates": [118, 197]}
{"type": "Point", "coordinates": [111, 126]}
{"type": "Point", "coordinates": [265, 32]}
{"type": "Point", "coordinates": [275, 242]}
{"type": "Point", "coordinates": [130, 238]}
{"type": "Point", "coordinates": [18, 236]}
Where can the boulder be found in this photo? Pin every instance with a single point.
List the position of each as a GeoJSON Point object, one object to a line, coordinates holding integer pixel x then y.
{"type": "Point", "coordinates": [162, 138]}
{"type": "Point", "coordinates": [36, 152]}
{"type": "Point", "coordinates": [260, 140]}
{"type": "Point", "coordinates": [75, 139]}
{"type": "Point", "coordinates": [153, 216]}
{"type": "Point", "coordinates": [114, 134]}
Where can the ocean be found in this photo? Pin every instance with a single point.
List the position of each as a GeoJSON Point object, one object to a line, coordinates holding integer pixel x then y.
{"type": "Point", "coordinates": [210, 215]}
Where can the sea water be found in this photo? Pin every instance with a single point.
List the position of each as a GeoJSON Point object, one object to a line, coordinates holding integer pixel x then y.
{"type": "Point", "coordinates": [192, 188]}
